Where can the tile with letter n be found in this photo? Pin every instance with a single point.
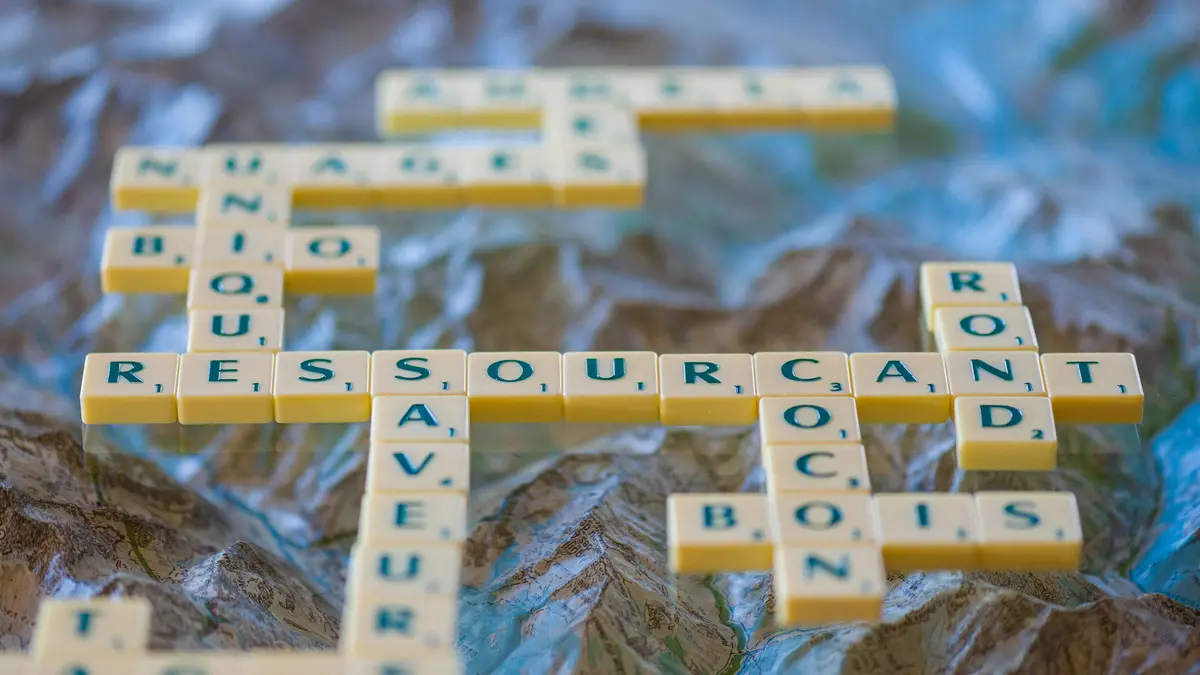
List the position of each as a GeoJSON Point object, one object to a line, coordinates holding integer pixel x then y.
{"type": "Point", "coordinates": [713, 533]}
{"type": "Point", "coordinates": [322, 387]}
{"type": "Point", "coordinates": [341, 260]}
{"type": "Point", "coordinates": [515, 387]}
{"type": "Point", "coordinates": [995, 373]}
{"type": "Point", "coordinates": [226, 388]}
{"type": "Point", "coordinates": [707, 389]}
{"type": "Point", "coordinates": [997, 433]}
{"type": "Point", "coordinates": [412, 517]}
{"type": "Point", "coordinates": [1029, 531]}
{"type": "Point", "coordinates": [155, 259]}
{"type": "Point", "coordinates": [923, 532]}
{"type": "Point", "coordinates": [91, 627]}
{"type": "Point", "coordinates": [828, 584]}
{"type": "Point", "coordinates": [420, 419]}
{"type": "Point", "coordinates": [129, 388]}
{"type": "Point", "coordinates": [418, 467]}
{"type": "Point", "coordinates": [158, 180]}
{"type": "Point", "coordinates": [243, 206]}
{"type": "Point", "coordinates": [1094, 388]}
{"type": "Point", "coordinates": [600, 175]}
{"type": "Point", "coordinates": [900, 388]}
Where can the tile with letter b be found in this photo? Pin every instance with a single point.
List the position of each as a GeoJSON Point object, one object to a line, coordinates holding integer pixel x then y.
{"type": "Point", "coordinates": [996, 373]}
{"type": "Point", "coordinates": [616, 387]}
{"type": "Point", "coordinates": [158, 180]}
{"type": "Point", "coordinates": [419, 371]}
{"type": "Point", "coordinates": [807, 518]}
{"type": "Point", "coordinates": [324, 177]}
{"type": "Point", "coordinates": [1029, 531]}
{"type": "Point", "coordinates": [802, 373]}
{"type": "Point", "coordinates": [808, 420]}
{"type": "Point", "coordinates": [757, 99]}
{"type": "Point", "coordinates": [247, 330]}
{"type": "Point", "coordinates": [413, 517]}
{"type": "Point", "coordinates": [824, 585]}
{"type": "Point", "coordinates": [235, 205]}
{"type": "Point", "coordinates": [502, 99]}
{"type": "Point", "coordinates": [1094, 388]}
{"type": "Point", "coordinates": [819, 468]}
{"type": "Point", "coordinates": [432, 570]}
{"type": "Point", "coordinates": [417, 101]}
{"type": "Point", "coordinates": [967, 284]}
{"type": "Point", "coordinates": [422, 627]}
{"type": "Point", "coordinates": [323, 387]}
{"type": "Point", "coordinates": [239, 245]}
{"type": "Point", "coordinates": [600, 175]}
{"type": "Point", "coordinates": [421, 419]}
{"type": "Point", "coordinates": [226, 388]}
{"type": "Point", "coordinates": [289, 662]}
{"type": "Point", "coordinates": [983, 328]}
{"type": "Point", "coordinates": [515, 386]}
{"type": "Point", "coordinates": [418, 467]}
{"type": "Point", "coordinates": [198, 663]}
{"type": "Point", "coordinates": [342, 260]}
{"type": "Point", "coordinates": [231, 287]}
{"type": "Point", "coordinates": [154, 259]}
{"type": "Point", "coordinates": [923, 532]}
{"type": "Point", "coordinates": [424, 664]}
{"type": "Point", "coordinates": [996, 433]}
{"type": "Point", "coordinates": [245, 164]}
{"type": "Point", "coordinates": [418, 176]}
{"type": "Point", "coordinates": [859, 98]}
{"type": "Point", "coordinates": [707, 389]}
{"type": "Point", "coordinates": [596, 123]}
{"type": "Point", "coordinates": [900, 388]}
{"type": "Point", "coordinates": [91, 627]}
{"type": "Point", "coordinates": [129, 388]}
{"type": "Point", "coordinates": [713, 533]}
{"type": "Point", "coordinates": [516, 176]}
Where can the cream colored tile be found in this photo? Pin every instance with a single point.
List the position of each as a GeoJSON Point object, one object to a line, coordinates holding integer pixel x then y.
{"type": "Point", "coordinates": [417, 101]}
{"type": "Point", "coordinates": [707, 389]}
{"type": "Point", "coordinates": [712, 533]}
{"type": "Point", "coordinates": [593, 85]}
{"type": "Point", "coordinates": [421, 627]}
{"type": "Point", "coordinates": [342, 260]}
{"type": "Point", "coordinates": [1094, 388]}
{"type": "Point", "coordinates": [326, 176]}
{"type": "Point", "coordinates": [1029, 531]}
{"type": "Point", "coordinates": [232, 287]}
{"type": "Point", "coordinates": [673, 99]}
{"type": "Point", "coordinates": [900, 387]}
{"type": "Point", "coordinates": [418, 467]}
{"type": "Point", "coordinates": [809, 468]}
{"type": "Point", "coordinates": [983, 328]}
{"type": "Point", "coordinates": [240, 245]}
{"type": "Point", "coordinates": [601, 123]}
{"type": "Point", "coordinates": [159, 180]}
{"type": "Point", "coordinates": [511, 176]}
{"type": "Point", "coordinates": [808, 420]}
{"type": "Point", "coordinates": [322, 386]}
{"type": "Point", "coordinates": [16, 664]}
{"type": "Point", "coordinates": [600, 175]}
{"type": "Point", "coordinates": [620, 387]}
{"type": "Point", "coordinates": [293, 663]}
{"type": "Point", "coordinates": [226, 388]}
{"type": "Point", "coordinates": [802, 373]}
{"type": "Point", "coordinates": [927, 531]}
{"type": "Point", "coordinates": [515, 386]}
{"type": "Point", "coordinates": [243, 205]}
{"type": "Point", "coordinates": [413, 518]}
{"type": "Point", "coordinates": [419, 372]}
{"type": "Point", "coordinates": [967, 284]}
{"type": "Point", "coordinates": [250, 330]}
{"type": "Point", "coordinates": [503, 99]}
{"type": "Point", "coordinates": [153, 259]}
{"type": "Point", "coordinates": [431, 570]}
{"type": "Point", "coordinates": [245, 164]}
{"type": "Point", "coordinates": [996, 433]}
{"type": "Point", "coordinates": [420, 419]}
{"type": "Point", "coordinates": [860, 98]}
{"type": "Point", "coordinates": [198, 663]}
{"type": "Point", "coordinates": [105, 664]}
{"type": "Point", "coordinates": [1016, 373]}
{"type": "Point", "coordinates": [831, 518]}
{"type": "Point", "coordinates": [91, 627]}
{"type": "Point", "coordinates": [419, 176]}
{"type": "Point", "coordinates": [825, 585]}
{"type": "Point", "coordinates": [129, 388]}
{"type": "Point", "coordinates": [756, 98]}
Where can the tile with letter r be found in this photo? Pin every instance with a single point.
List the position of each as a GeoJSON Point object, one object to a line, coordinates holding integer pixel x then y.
{"type": "Point", "coordinates": [413, 517]}
{"type": "Point", "coordinates": [322, 387]}
{"type": "Point", "coordinates": [418, 467]}
{"type": "Point", "coordinates": [247, 330]}
{"type": "Point", "coordinates": [245, 164]}
{"type": "Point", "coordinates": [900, 387]}
{"type": "Point", "coordinates": [422, 627]}
{"type": "Point", "coordinates": [808, 420]}
{"type": "Point", "coordinates": [431, 570]}
{"type": "Point", "coordinates": [515, 387]}
{"type": "Point", "coordinates": [91, 627]}
{"type": "Point", "coordinates": [923, 532]}
{"type": "Point", "coordinates": [707, 389]}
{"type": "Point", "coordinates": [998, 433]}
{"type": "Point", "coordinates": [1029, 531]}
{"type": "Point", "coordinates": [158, 180]}
{"type": "Point", "coordinates": [983, 328]}
{"type": "Point", "coordinates": [226, 388]}
{"type": "Point", "coordinates": [420, 419]}
{"type": "Point", "coordinates": [833, 467]}
{"type": "Point", "coordinates": [1094, 388]}
{"type": "Point", "coordinates": [713, 533]}
{"type": "Point", "coordinates": [408, 372]}
{"type": "Point", "coordinates": [154, 259]}
{"type": "Point", "coordinates": [342, 260]}
{"type": "Point", "coordinates": [600, 175]}
{"type": "Point", "coordinates": [614, 387]}
{"type": "Point", "coordinates": [807, 518]}
{"type": "Point", "coordinates": [967, 284]}
{"type": "Point", "coordinates": [802, 373]}
{"type": "Point", "coordinates": [828, 584]}
{"type": "Point", "coordinates": [231, 287]}
{"type": "Point", "coordinates": [129, 388]}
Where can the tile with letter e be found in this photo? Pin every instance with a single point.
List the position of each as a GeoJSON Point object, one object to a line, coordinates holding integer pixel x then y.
{"type": "Point", "coordinates": [232, 287]}
{"type": "Point", "coordinates": [226, 388]}
{"type": "Point", "coordinates": [983, 328]}
{"type": "Point", "coordinates": [967, 284]}
{"type": "Point", "coordinates": [820, 468]}
{"type": "Point", "coordinates": [516, 176]}
{"type": "Point", "coordinates": [129, 388]}
{"type": "Point", "coordinates": [154, 259]}
{"type": "Point", "coordinates": [412, 517]}
{"type": "Point", "coordinates": [757, 99]}
{"type": "Point", "coordinates": [342, 260]}
{"type": "Point", "coordinates": [824, 585]}
{"type": "Point", "coordinates": [706, 389]}
{"type": "Point", "coordinates": [600, 175]}
{"type": "Point", "coordinates": [997, 433]}
{"type": "Point", "coordinates": [234, 205]}
{"type": "Point", "coordinates": [424, 664]}
{"type": "Point", "coordinates": [91, 627]}
{"type": "Point", "coordinates": [847, 98]}
{"type": "Point", "coordinates": [900, 387]}
{"type": "Point", "coordinates": [922, 532]}
{"type": "Point", "coordinates": [324, 177]}
{"type": "Point", "coordinates": [808, 420]}
{"type": "Point", "coordinates": [283, 662]}
{"type": "Point", "coordinates": [158, 180]}
{"type": "Point", "coordinates": [197, 663]}
{"type": "Point", "coordinates": [247, 330]}
{"type": "Point", "coordinates": [502, 99]}
{"type": "Point", "coordinates": [239, 245]}
{"type": "Point", "coordinates": [432, 570]}
{"type": "Point", "coordinates": [418, 467]}
{"type": "Point", "coordinates": [420, 419]}
{"type": "Point", "coordinates": [596, 123]}
{"type": "Point", "coordinates": [616, 387]}
{"type": "Point", "coordinates": [802, 373]}
{"type": "Point", "coordinates": [245, 164]}
{"type": "Point", "coordinates": [418, 176]}
{"type": "Point", "coordinates": [323, 387]}
{"type": "Point", "coordinates": [713, 533]}
{"type": "Point", "coordinates": [419, 371]}
{"type": "Point", "coordinates": [806, 518]}
{"type": "Point", "coordinates": [1029, 531]}
{"type": "Point", "coordinates": [1094, 388]}
{"type": "Point", "coordinates": [417, 626]}
{"type": "Point", "coordinates": [1012, 373]}
{"type": "Point", "coordinates": [515, 386]}
{"type": "Point", "coordinates": [417, 101]}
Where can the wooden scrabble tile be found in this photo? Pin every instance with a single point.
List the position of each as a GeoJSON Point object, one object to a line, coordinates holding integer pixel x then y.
{"type": "Point", "coordinates": [412, 517]}
{"type": "Point", "coordinates": [232, 287]}
{"type": "Point", "coordinates": [830, 518]}
{"type": "Point", "coordinates": [205, 663]}
{"type": "Point", "coordinates": [427, 570]}
{"type": "Point", "coordinates": [997, 433]}
{"type": "Point", "coordinates": [600, 123]}
{"type": "Point", "coordinates": [820, 468]}
{"type": "Point", "coordinates": [424, 664]}
{"type": "Point", "coordinates": [103, 664]}
{"type": "Point", "coordinates": [419, 372]}
{"type": "Point", "coordinates": [847, 98]}
{"type": "Point", "coordinates": [129, 388]}
{"type": "Point", "coordinates": [713, 533]}
{"type": "Point", "coordinates": [579, 85]}
{"type": "Point", "coordinates": [673, 99]}
{"type": "Point", "coordinates": [153, 259]}
{"type": "Point", "coordinates": [900, 388]}
{"type": "Point", "coordinates": [248, 330]}
{"type": "Point", "coordinates": [288, 662]}
{"type": "Point", "coordinates": [515, 386]}
{"type": "Point", "coordinates": [245, 164]}
{"type": "Point", "coordinates": [756, 98]}
{"type": "Point", "coordinates": [395, 626]}
{"type": "Point", "coordinates": [802, 373]}
{"type": "Point", "coordinates": [1014, 373]}
{"type": "Point", "coordinates": [502, 99]}
{"type": "Point", "coordinates": [240, 245]}
{"type": "Point", "coordinates": [237, 205]}
{"type": "Point", "coordinates": [226, 388]}
{"type": "Point", "coordinates": [16, 664]}
{"type": "Point", "coordinates": [706, 389]}
{"type": "Point", "coordinates": [324, 177]}
{"type": "Point", "coordinates": [1094, 388]}
{"type": "Point", "coordinates": [91, 627]}
{"type": "Point", "coordinates": [418, 176]}
{"type": "Point", "coordinates": [983, 329]}
{"type": "Point", "coordinates": [923, 532]}
{"type": "Point", "coordinates": [808, 420]}
{"type": "Point", "coordinates": [316, 387]}
{"type": "Point", "coordinates": [421, 419]}
{"type": "Point", "coordinates": [1029, 531]}
{"type": "Point", "coordinates": [417, 101]}
{"type": "Point", "coordinates": [618, 387]}
{"type": "Point", "coordinates": [418, 467]}
{"type": "Point", "coordinates": [159, 180]}
{"type": "Point", "coordinates": [824, 585]}
{"type": "Point", "coordinates": [600, 175]}
{"type": "Point", "coordinates": [516, 176]}
{"type": "Point", "coordinates": [342, 260]}
{"type": "Point", "coordinates": [967, 284]}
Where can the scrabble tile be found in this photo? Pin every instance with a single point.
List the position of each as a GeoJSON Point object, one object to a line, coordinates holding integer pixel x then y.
{"type": "Point", "coordinates": [706, 389]}
{"type": "Point", "coordinates": [418, 176]}
{"type": "Point", "coordinates": [417, 101]}
{"type": "Point", "coordinates": [807, 518]}
{"type": "Point", "coordinates": [240, 245]}
{"type": "Point", "coordinates": [757, 99]}
{"type": "Point", "coordinates": [1094, 388]}
{"type": "Point", "coordinates": [248, 330]}
{"type": "Point", "coordinates": [159, 180]}
{"type": "Point", "coordinates": [129, 388]}
{"type": "Point", "coordinates": [900, 387]}
{"type": "Point", "coordinates": [620, 387]}
{"type": "Point", "coordinates": [802, 373]}
{"type": "Point", "coordinates": [967, 284]}
{"type": "Point", "coordinates": [1029, 531]}
{"type": "Point", "coordinates": [923, 532]}
{"type": "Point", "coordinates": [395, 626]}
{"type": "Point", "coordinates": [324, 177]}
{"type": "Point", "coordinates": [16, 664]}
{"type": "Point", "coordinates": [245, 164]}
{"type": "Point", "coordinates": [75, 627]}
{"type": "Point", "coordinates": [502, 99]}
{"type": "Point", "coordinates": [429, 570]}
{"type": "Point", "coordinates": [713, 533]}
{"type": "Point", "coordinates": [997, 433]}
{"type": "Point", "coordinates": [579, 85]}
{"type": "Point", "coordinates": [202, 663]}
{"type": "Point", "coordinates": [418, 467]}
{"type": "Point", "coordinates": [341, 260]}
{"type": "Point", "coordinates": [600, 175]}
{"type": "Point", "coordinates": [983, 329]}
{"type": "Point", "coordinates": [599, 123]}
{"type": "Point", "coordinates": [226, 388]}
{"type": "Point", "coordinates": [237, 205]}
{"type": "Point", "coordinates": [824, 585]}
{"type": "Point", "coordinates": [107, 664]}
{"type": "Point", "coordinates": [413, 517]}
{"type": "Point", "coordinates": [153, 259]}
{"type": "Point", "coordinates": [424, 664]}
{"type": "Point", "coordinates": [232, 287]}
{"type": "Point", "coordinates": [421, 419]}
{"type": "Point", "coordinates": [821, 468]}
{"type": "Point", "coordinates": [422, 372]}
{"type": "Point", "coordinates": [517, 176]}
{"type": "Point", "coordinates": [853, 98]}
{"type": "Point", "coordinates": [515, 386]}
{"type": "Point", "coordinates": [1013, 373]}
{"type": "Point", "coordinates": [316, 387]}
{"type": "Point", "coordinates": [288, 662]}
{"type": "Point", "coordinates": [808, 420]}
{"type": "Point", "coordinates": [673, 99]}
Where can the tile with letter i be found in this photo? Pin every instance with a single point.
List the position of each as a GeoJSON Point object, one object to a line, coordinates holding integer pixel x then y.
{"type": "Point", "coordinates": [129, 388]}
{"type": "Point", "coordinates": [707, 389]}
{"type": "Point", "coordinates": [996, 433]}
{"type": "Point", "coordinates": [1029, 531]}
{"type": "Point", "coordinates": [420, 419]}
{"type": "Point", "coordinates": [808, 420]}
{"type": "Point", "coordinates": [410, 518]}
{"type": "Point", "coordinates": [341, 260]}
{"type": "Point", "coordinates": [1094, 388]}
{"type": "Point", "coordinates": [324, 177]}
{"type": "Point", "coordinates": [400, 372]}
{"type": "Point", "coordinates": [983, 328]}
{"type": "Point", "coordinates": [418, 176]}
{"type": "Point", "coordinates": [155, 259]}
{"type": "Point", "coordinates": [420, 627]}
{"type": "Point", "coordinates": [1012, 373]}
{"type": "Point", "coordinates": [967, 284]}
{"type": "Point", "coordinates": [860, 98]}
{"type": "Point", "coordinates": [91, 627]}
{"type": "Point", "coordinates": [236, 205]}
{"type": "Point", "coordinates": [158, 180]}
{"type": "Point", "coordinates": [239, 245]}
{"type": "Point", "coordinates": [417, 101]}
{"type": "Point", "coordinates": [816, 468]}
{"type": "Point", "coordinates": [802, 373]}
{"type": "Point", "coordinates": [713, 533]}
{"type": "Point", "coordinates": [827, 584]}
{"type": "Point", "coordinates": [226, 388]}
{"type": "Point", "coordinates": [614, 387]}
{"type": "Point", "coordinates": [503, 99]}
{"type": "Point", "coordinates": [244, 164]}
{"type": "Point", "coordinates": [900, 388]}
{"type": "Point", "coordinates": [322, 387]}
{"type": "Point", "coordinates": [418, 467]}
{"type": "Point", "coordinates": [923, 532]}
{"type": "Point", "coordinates": [247, 330]}
{"type": "Point", "coordinates": [515, 386]}
{"type": "Point", "coordinates": [517, 176]}
{"type": "Point", "coordinates": [232, 287]}
{"type": "Point", "coordinates": [430, 570]}
{"type": "Point", "coordinates": [602, 124]}
{"type": "Point", "coordinates": [199, 663]}
{"type": "Point", "coordinates": [807, 518]}
{"type": "Point", "coordinates": [600, 175]}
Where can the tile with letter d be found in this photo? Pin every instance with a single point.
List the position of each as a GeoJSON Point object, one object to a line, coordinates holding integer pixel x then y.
{"type": "Point", "coordinates": [1094, 388]}
{"type": "Point", "coordinates": [342, 260]}
{"type": "Point", "coordinates": [808, 419]}
{"type": "Point", "coordinates": [408, 372]}
{"type": "Point", "coordinates": [395, 626]}
{"type": "Point", "coordinates": [600, 123]}
{"type": "Point", "coordinates": [247, 330]}
{"type": "Point", "coordinates": [91, 627]}
{"type": "Point", "coordinates": [900, 388]}
{"type": "Point", "coordinates": [600, 175]}
{"type": "Point", "coordinates": [1029, 531]}
{"type": "Point", "coordinates": [617, 387]}
{"type": "Point", "coordinates": [1011, 373]}
{"type": "Point", "coordinates": [322, 387]}
{"type": "Point", "coordinates": [713, 533]}
{"type": "Point", "coordinates": [418, 467]}
{"type": "Point", "coordinates": [997, 433]}
{"type": "Point", "coordinates": [983, 328]}
{"type": "Point", "coordinates": [515, 176]}
{"type": "Point", "coordinates": [824, 585]}
{"type": "Point", "coordinates": [802, 373]}
{"type": "Point", "coordinates": [158, 180]}
{"type": "Point", "coordinates": [417, 101]}
{"type": "Point", "coordinates": [706, 389]}
{"type": "Point", "coordinates": [226, 388]}
{"type": "Point", "coordinates": [413, 517]}
{"type": "Point", "coordinates": [805, 518]}
{"type": "Point", "coordinates": [923, 532]}
{"type": "Point", "coordinates": [515, 386]}
{"type": "Point", "coordinates": [420, 419]}
{"type": "Point", "coordinates": [418, 176]}
{"type": "Point", "coordinates": [236, 205]}
{"type": "Point", "coordinates": [235, 287]}
{"type": "Point", "coordinates": [239, 245]}
{"type": "Point", "coordinates": [822, 468]}
{"type": "Point", "coordinates": [196, 663]}
{"type": "Point", "coordinates": [860, 98]}
{"type": "Point", "coordinates": [431, 570]}
{"type": "Point", "coordinates": [244, 164]}
{"type": "Point", "coordinates": [425, 664]}
{"type": "Point", "coordinates": [291, 663]}
{"type": "Point", "coordinates": [324, 177]}
{"type": "Point", "coordinates": [129, 388]}
{"type": "Point", "coordinates": [155, 259]}
{"type": "Point", "coordinates": [967, 284]}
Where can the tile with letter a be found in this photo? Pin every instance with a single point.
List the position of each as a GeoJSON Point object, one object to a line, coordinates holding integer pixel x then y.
{"type": "Point", "coordinates": [847, 98]}
{"type": "Point", "coordinates": [615, 387]}
{"type": "Point", "coordinates": [418, 467]}
{"type": "Point", "coordinates": [410, 102]}
{"type": "Point", "coordinates": [158, 180]}
{"type": "Point", "coordinates": [129, 388]}
{"type": "Point", "coordinates": [707, 389]}
{"type": "Point", "coordinates": [808, 420]}
{"type": "Point", "coordinates": [432, 570]}
{"type": "Point", "coordinates": [806, 518]}
{"type": "Point", "coordinates": [232, 287]}
{"type": "Point", "coordinates": [923, 532]}
{"type": "Point", "coordinates": [996, 433]}
{"type": "Point", "coordinates": [516, 176]}
{"type": "Point", "coordinates": [235, 205]}
{"type": "Point", "coordinates": [91, 627]}
{"type": "Point", "coordinates": [1013, 373]}
{"type": "Point", "coordinates": [408, 372]}
{"type": "Point", "coordinates": [393, 626]}
{"type": "Point", "coordinates": [322, 387]}
{"type": "Point", "coordinates": [515, 387]}
{"type": "Point", "coordinates": [16, 664]}
{"type": "Point", "coordinates": [802, 373]}
{"type": "Point", "coordinates": [291, 663]}
{"type": "Point", "coordinates": [197, 663]}
{"type": "Point", "coordinates": [246, 330]}
{"type": "Point", "coordinates": [420, 419]}
{"type": "Point", "coordinates": [598, 123]}
{"type": "Point", "coordinates": [713, 533]}
{"type": "Point", "coordinates": [1094, 388]}
{"type": "Point", "coordinates": [425, 664]}
{"type": "Point", "coordinates": [601, 175]}
{"type": "Point", "coordinates": [324, 177]}
{"type": "Point", "coordinates": [341, 260]}
{"type": "Point", "coordinates": [502, 99]}
{"type": "Point", "coordinates": [245, 164]}
{"type": "Point", "coordinates": [983, 329]}
{"type": "Point", "coordinates": [226, 388]}
{"type": "Point", "coordinates": [239, 245]}
{"type": "Point", "coordinates": [418, 176]}
{"type": "Point", "coordinates": [967, 284]}
{"type": "Point", "coordinates": [1029, 531]}
{"type": "Point", "coordinates": [757, 99]}
{"type": "Point", "coordinates": [821, 468]}
{"type": "Point", "coordinates": [154, 259]}
{"type": "Point", "coordinates": [900, 388]}
{"type": "Point", "coordinates": [823, 585]}
{"type": "Point", "coordinates": [413, 517]}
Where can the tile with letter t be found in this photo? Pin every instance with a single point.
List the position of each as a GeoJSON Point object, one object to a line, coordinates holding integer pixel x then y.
{"type": "Point", "coordinates": [983, 328]}
{"type": "Point", "coordinates": [515, 387]}
{"type": "Point", "coordinates": [805, 518]}
{"type": "Point", "coordinates": [1029, 531]}
{"type": "Point", "coordinates": [235, 287]}
{"type": "Point", "coordinates": [423, 664]}
{"type": "Point", "coordinates": [341, 260]}
{"type": "Point", "coordinates": [823, 468]}
{"type": "Point", "coordinates": [418, 176]}
{"type": "Point", "coordinates": [1094, 388]}
{"type": "Point", "coordinates": [601, 123]}
{"type": "Point", "coordinates": [847, 98]}
{"type": "Point", "coordinates": [713, 533]}
{"type": "Point", "coordinates": [400, 372]}
{"type": "Point", "coordinates": [707, 389]}
{"type": "Point", "coordinates": [91, 627]}
{"type": "Point", "coordinates": [997, 433]}
{"type": "Point", "coordinates": [967, 284]}
{"type": "Point", "coordinates": [516, 176]}
{"type": "Point", "coordinates": [823, 585]}
{"type": "Point", "coordinates": [158, 180]}
{"type": "Point", "coordinates": [417, 101]}
{"type": "Point", "coordinates": [200, 663]}
{"type": "Point", "coordinates": [900, 388]}
{"type": "Point", "coordinates": [129, 388]}
{"type": "Point", "coordinates": [413, 517]}
{"type": "Point", "coordinates": [420, 419]}
{"type": "Point", "coordinates": [432, 570]}
{"type": "Point", "coordinates": [322, 387]}
{"type": "Point", "coordinates": [240, 245]}
{"type": "Point", "coordinates": [245, 164]}
{"type": "Point", "coordinates": [1010, 373]}
{"type": "Point", "coordinates": [922, 532]}
{"type": "Point", "coordinates": [417, 626]}
{"type": "Point", "coordinates": [226, 388]}
{"type": "Point", "coordinates": [600, 175]}
{"type": "Point", "coordinates": [154, 259]}
{"type": "Point", "coordinates": [617, 387]}
{"type": "Point", "coordinates": [802, 373]}
{"type": "Point", "coordinates": [248, 330]}
{"type": "Point", "coordinates": [418, 467]}
{"type": "Point", "coordinates": [808, 419]}
{"type": "Point", "coordinates": [234, 205]}
{"type": "Point", "coordinates": [324, 177]}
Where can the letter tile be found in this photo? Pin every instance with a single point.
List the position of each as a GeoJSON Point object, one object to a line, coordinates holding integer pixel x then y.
{"type": "Point", "coordinates": [153, 259]}
{"type": "Point", "coordinates": [429, 570]}
{"type": "Point", "coordinates": [834, 518]}
{"type": "Point", "coordinates": [967, 284]}
{"type": "Point", "coordinates": [1029, 531]}
{"type": "Point", "coordinates": [983, 329]}
{"type": "Point", "coordinates": [412, 102]}
{"type": "Point", "coordinates": [593, 85]}
{"type": "Point", "coordinates": [73, 628]}
{"type": "Point", "coordinates": [159, 180]}
{"type": "Point", "coordinates": [673, 99]}
{"type": "Point", "coordinates": [1094, 388]}
{"type": "Point", "coordinates": [900, 387]}
{"type": "Point", "coordinates": [420, 419]}
{"type": "Point", "coordinates": [502, 99]}
{"type": "Point", "coordinates": [619, 387]}
{"type": "Point", "coordinates": [851, 98]}
{"type": "Point", "coordinates": [996, 433]}
{"type": "Point", "coordinates": [83, 664]}
{"type": "Point", "coordinates": [397, 626]}
{"type": "Point", "coordinates": [198, 663]}
{"type": "Point", "coordinates": [316, 387]}
{"type": "Point", "coordinates": [324, 177]}
{"type": "Point", "coordinates": [129, 388]}
{"type": "Point", "coordinates": [240, 245]}
{"type": "Point", "coordinates": [226, 388]}
{"type": "Point", "coordinates": [342, 260]}
{"type": "Point", "coordinates": [421, 372]}
{"type": "Point", "coordinates": [824, 585]}
{"type": "Point", "coordinates": [808, 420]}
{"type": "Point", "coordinates": [601, 123]}
{"type": "Point", "coordinates": [238, 205]}
{"type": "Point", "coordinates": [245, 164]}
{"type": "Point", "coordinates": [418, 467]}
{"type": "Point", "coordinates": [922, 532]}
{"type": "Point", "coordinates": [707, 389]}
{"type": "Point", "coordinates": [247, 330]}
{"type": "Point", "coordinates": [1015, 373]}
{"type": "Point", "coordinates": [425, 664]}
{"type": "Point", "coordinates": [413, 518]}
{"type": "Point", "coordinates": [232, 287]}
{"type": "Point", "coordinates": [600, 175]}
{"type": "Point", "coordinates": [418, 176]}
{"type": "Point", "coordinates": [802, 373]}
{"type": "Point", "coordinates": [515, 387]}
{"type": "Point", "coordinates": [713, 533]}
{"type": "Point", "coordinates": [16, 664]}
{"type": "Point", "coordinates": [758, 99]}
{"type": "Point", "coordinates": [516, 176]}
{"type": "Point", "coordinates": [820, 468]}
{"type": "Point", "coordinates": [292, 663]}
